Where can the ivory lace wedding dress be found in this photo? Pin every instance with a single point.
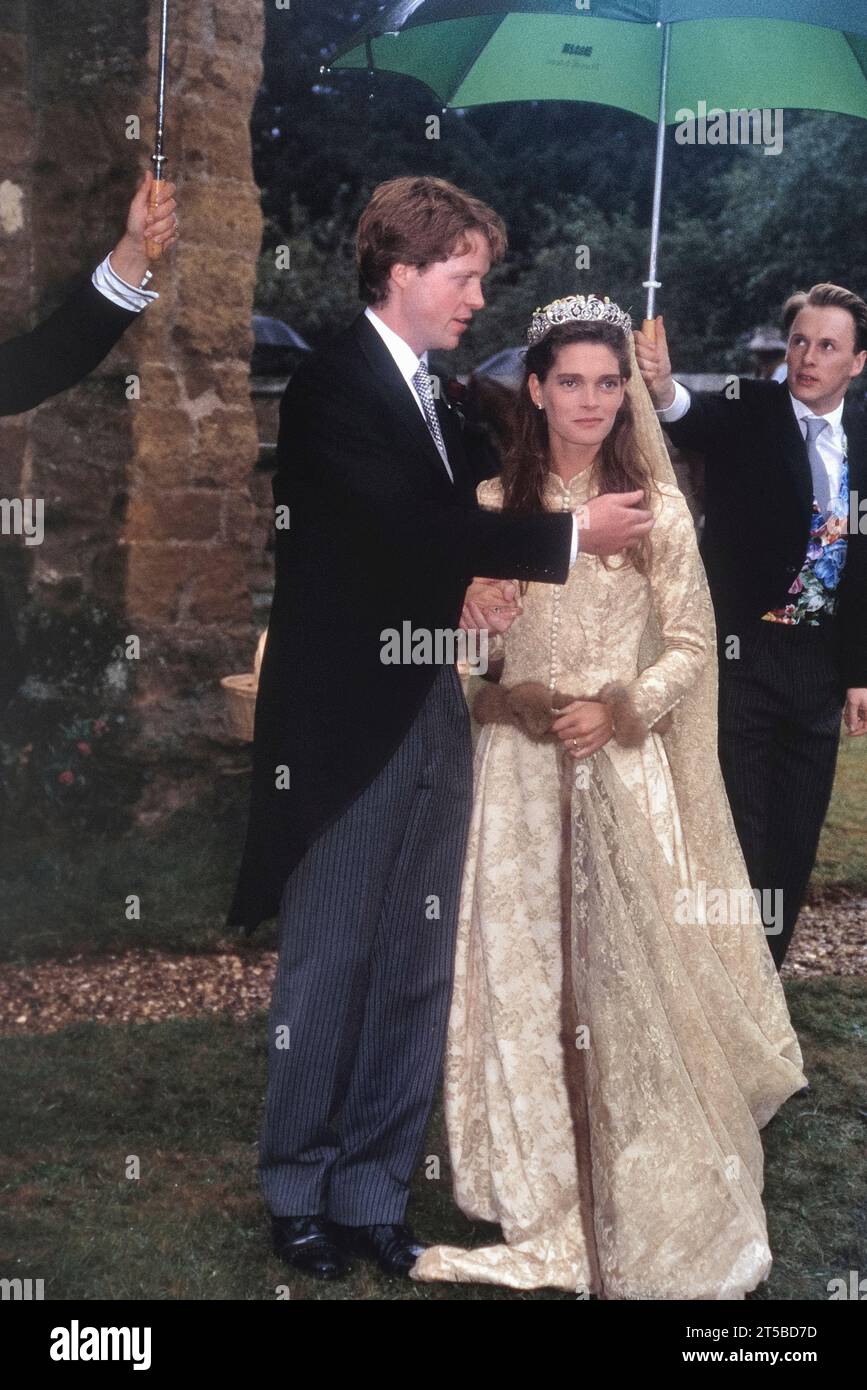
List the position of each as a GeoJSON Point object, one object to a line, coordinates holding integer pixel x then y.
{"type": "Point", "coordinates": [614, 1048]}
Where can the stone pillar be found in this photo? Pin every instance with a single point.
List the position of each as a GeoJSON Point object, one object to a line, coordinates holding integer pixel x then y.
{"type": "Point", "coordinates": [145, 468]}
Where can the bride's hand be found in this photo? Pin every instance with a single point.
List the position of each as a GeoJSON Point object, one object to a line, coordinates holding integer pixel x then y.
{"type": "Point", "coordinates": [584, 727]}
{"type": "Point", "coordinates": [490, 604]}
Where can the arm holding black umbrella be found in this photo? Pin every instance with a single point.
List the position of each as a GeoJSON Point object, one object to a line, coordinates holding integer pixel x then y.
{"type": "Point", "coordinates": [75, 338]}
{"type": "Point", "coordinates": [78, 335]}
{"type": "Point", "coordinates": [83, 330]}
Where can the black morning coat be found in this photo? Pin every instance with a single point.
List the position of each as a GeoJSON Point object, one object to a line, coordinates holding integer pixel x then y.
{"type": "Point", "coordinates": [758, 509]}
{"type": "Point", "coordinates": [378, 535]}
{"type": "Point", "coordinates": [56, 355]}
{"type": "Point", "coordinates": [61, 351]}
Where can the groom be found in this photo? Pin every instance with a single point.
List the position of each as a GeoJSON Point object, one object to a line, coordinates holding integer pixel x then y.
{"type": "Point", "coordinates": [362, 771]}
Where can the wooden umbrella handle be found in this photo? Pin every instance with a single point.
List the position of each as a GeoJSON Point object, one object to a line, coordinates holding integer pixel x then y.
{"type": "Point", "coordinates": [153, 250]}
{"type": "Point", "coordinates": [648, 328]}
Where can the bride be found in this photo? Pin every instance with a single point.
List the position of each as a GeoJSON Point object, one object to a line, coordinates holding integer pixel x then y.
{"type": "Point", "coordinates": [618, 1033]}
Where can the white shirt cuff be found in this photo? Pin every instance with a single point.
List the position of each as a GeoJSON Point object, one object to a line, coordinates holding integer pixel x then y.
{"type": "Point", "coordinates": [109, 283]}
{"type": "Point", "coordinates": [678, 408]}
{"type": "Point", "coordinates": [574, 552]}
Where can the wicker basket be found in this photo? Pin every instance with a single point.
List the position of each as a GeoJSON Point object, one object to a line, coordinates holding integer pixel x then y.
{"type": "Point", "coordinates": [241, 695]}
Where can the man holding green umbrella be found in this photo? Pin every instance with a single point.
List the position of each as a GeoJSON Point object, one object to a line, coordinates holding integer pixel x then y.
{"type": "Point", "coordinates": [787, 565]}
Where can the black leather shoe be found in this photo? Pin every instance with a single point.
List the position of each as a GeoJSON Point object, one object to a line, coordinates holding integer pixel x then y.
{"type": "Point", "coordinates": [394, 1248]}
{"type": "Point", "coordinates": [307, 1243]}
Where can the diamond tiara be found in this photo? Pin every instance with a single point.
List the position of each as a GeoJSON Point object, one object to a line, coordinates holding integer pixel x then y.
{"type": "Point", "coordinates": [576, 308]}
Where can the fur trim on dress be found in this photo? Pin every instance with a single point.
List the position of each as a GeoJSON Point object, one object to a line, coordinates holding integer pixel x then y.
{"type": "Point", "coordinates": [530, 707]}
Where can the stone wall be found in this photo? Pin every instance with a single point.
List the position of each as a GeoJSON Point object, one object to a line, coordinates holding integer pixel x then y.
{"type": "Point", "coordinates": [16, 155]}
{"type": "Point", "coordinates": [148, 511]}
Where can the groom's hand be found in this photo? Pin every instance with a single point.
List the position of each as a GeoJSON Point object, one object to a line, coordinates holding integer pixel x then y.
{"type": "Point", "coordinates": [610, 523]}
{"type": "Point", "coordinates": [490, 604]}
{"type": "Point", "coordinates": [654, 364]}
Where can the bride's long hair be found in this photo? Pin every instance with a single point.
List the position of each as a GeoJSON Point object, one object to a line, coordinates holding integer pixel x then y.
{"type": "Point", "coordinates": [620, 465]}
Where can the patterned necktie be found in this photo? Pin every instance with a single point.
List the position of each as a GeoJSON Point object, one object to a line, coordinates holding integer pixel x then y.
{"type": "Point", "coordinates": [821, 481]}
{"type": "Point", "coordinates": [421, 382]}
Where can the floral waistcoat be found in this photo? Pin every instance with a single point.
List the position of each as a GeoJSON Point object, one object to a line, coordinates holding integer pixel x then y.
{"type": "Point", "coordinates": [814, 592]}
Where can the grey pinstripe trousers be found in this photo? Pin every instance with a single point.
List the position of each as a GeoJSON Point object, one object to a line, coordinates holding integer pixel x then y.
{"type": "Point", "coordinates": [364, 979]}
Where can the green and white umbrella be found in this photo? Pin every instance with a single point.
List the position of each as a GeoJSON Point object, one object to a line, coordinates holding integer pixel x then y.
{"type": "Point", "coordinates": [657, 58]}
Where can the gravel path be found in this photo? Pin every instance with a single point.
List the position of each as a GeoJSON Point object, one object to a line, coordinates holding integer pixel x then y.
{"type": "Point", "coordinates": [151, 986]}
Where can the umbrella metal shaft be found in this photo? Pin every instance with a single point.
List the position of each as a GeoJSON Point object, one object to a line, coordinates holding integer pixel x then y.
{"type": "Point", "coordinates": [154, 250]}
{"type": "Point", "coordinates": [651, 284]}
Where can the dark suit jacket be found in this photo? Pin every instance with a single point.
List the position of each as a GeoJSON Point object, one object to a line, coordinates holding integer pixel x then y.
{"type": "Point", "coordinates": [36, 365]}
{"type": "Point", "coordinates": [61, 351]}
{"type": "Point", "coordinates": [378, 536]}
{"type": "Point", "coordinates": [758, 506]}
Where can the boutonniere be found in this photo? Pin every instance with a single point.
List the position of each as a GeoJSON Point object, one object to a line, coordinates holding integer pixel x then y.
{"type": "Point", "coordinates": [455, 396]}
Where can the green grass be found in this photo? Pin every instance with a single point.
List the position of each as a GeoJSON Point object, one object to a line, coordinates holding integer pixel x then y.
{"type": "Point", "coordinates": [65, 895]}
{"type": "Point", "coordinates": [186, 1098]}
{"type": "Point", "coordinates": [842, 857]}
